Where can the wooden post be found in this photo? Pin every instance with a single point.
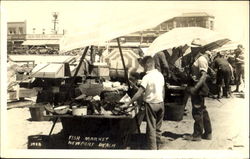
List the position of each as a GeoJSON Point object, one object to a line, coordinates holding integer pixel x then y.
{"type": "Point", "coordinates": [123, 63]}
{"type": "Point", "coordinates": [77, 70]}
{"type": "Point", "coordinates": [92, 55]}
{"type": "Point", "coordinates": [126, 77]}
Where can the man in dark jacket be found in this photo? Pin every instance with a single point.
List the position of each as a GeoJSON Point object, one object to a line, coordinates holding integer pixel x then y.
{"type": "Point", "coordinates": [161, 63]}
{"type": "Point", "coordinates": [223, 74]}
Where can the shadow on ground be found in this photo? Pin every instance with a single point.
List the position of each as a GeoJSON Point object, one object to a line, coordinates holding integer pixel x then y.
{"type": "Point", "coordinates": [239, 95]}
{"type": "Point", "coordinates": [172, 136]}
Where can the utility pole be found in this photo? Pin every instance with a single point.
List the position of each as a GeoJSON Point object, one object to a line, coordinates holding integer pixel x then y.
{"type": "Point", "coordinates": [55, 21]}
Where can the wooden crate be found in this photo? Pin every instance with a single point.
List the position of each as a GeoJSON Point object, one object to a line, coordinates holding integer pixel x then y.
{"type": "Point", "coordinates": [25, 93]}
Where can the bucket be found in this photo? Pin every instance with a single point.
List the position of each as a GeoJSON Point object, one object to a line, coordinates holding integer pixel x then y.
{"type": "Point", "coordinates": [37, 113]}
{"type": "Point", "coordinates": [79, 111]}
{"type": "Point", "coordinates": [38, 142]}
{"type": "Point", "coordinates": [174, 111]}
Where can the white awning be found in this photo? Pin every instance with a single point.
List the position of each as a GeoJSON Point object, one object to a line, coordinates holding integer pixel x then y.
{"type": "Point", "coordinates": [111, 24]}
{"type": "Point", "coordinates": [41, 42]}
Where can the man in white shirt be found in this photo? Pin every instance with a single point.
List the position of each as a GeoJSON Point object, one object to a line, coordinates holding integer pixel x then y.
{"type": "Point", "coordinates": [152, 90]}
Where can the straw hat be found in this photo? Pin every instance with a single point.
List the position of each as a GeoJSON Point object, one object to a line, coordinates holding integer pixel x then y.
{"type": "Point", "coordinates": [196, 43]}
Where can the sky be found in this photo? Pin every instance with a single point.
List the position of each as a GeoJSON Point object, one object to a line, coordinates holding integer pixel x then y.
{"type": "Point", "coordinates": [231, 17]}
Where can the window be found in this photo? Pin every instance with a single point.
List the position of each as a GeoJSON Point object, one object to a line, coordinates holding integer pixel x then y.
{"type": "Point", "coordinates": [212, 25]}
{"type": "Point", "coordinates": [164, 26]}
{"type": "Point", "coordinates": [11, 30]}
{"type": "Point", "coordinates": [20, 30]}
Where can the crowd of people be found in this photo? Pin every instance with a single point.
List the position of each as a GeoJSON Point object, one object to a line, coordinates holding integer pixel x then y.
{"type": "Point", "coordinates": [202, 65]}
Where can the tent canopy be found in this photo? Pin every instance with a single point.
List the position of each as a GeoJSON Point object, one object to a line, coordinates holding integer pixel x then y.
{"type": "Point", "coordinates": [181, 36]}
{"type": "Point", "coordinates": [111, 24]}
{"type": "Point", "coordinates": [229, 46]}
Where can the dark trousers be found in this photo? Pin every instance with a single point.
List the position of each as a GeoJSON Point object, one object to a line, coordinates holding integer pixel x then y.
{"type": "Point", "coordinates": [200, 116]}
{"type": "Point", "coordinates": [154, 118]}
{"type": "Point", "coordinates": [239, 71]}
{"type": "Point", "coordinates": [224, 75]}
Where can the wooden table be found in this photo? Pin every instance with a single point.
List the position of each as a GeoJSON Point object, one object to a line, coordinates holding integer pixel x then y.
{"type": "Point", "coordinates": [99, 131]}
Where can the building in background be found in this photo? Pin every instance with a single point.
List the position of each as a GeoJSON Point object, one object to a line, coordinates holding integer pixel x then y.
{"type": "Point", "coordinates": [16, 34]}
{"type": "Point", "coordinates": [19, 42]}
{"type": "Point", "coordinates": [196, 19]}
{"type": "Point", "coordinates": [42, 43]}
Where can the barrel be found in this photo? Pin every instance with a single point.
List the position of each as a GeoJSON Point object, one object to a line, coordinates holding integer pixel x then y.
{"type": "Point", "coordinates": [174, 111]}
{"type": "Point", "coordinates": [37, 113]}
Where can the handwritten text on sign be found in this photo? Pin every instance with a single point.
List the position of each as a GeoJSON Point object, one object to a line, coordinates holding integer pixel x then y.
{"type": "Point", "coordinates": [96, 142]}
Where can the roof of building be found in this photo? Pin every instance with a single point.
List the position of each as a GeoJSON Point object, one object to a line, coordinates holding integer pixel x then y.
{"type": "Point", "coordinates": [16, 22]}
{"type": "Point", "coordinates": [195, 14]}
{"type": "Point", "coordinates": [192, 14]}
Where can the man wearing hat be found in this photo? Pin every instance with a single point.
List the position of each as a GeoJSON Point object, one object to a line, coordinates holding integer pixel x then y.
{"type": "Point", "coordinates": [239, 66]}
{"type": "Point", "coordinates": [198, 90]}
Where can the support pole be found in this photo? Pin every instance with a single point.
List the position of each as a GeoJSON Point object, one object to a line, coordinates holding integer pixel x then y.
{"type": "Point", "coordinates": [126, 77]}
{"type": "Point", "coordinates": [123, 63]}
{"type": "Point", "coordinates": [92, 56]}
{"type": "Point", "coordinates": [81, 60]}
{"type": "Point", "coordinates": [77, 70]}
{"type": "Point", "coordinates": [52, 128]}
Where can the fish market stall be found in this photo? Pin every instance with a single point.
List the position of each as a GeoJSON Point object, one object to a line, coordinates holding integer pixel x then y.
{"type": "Point", "coordinates": [90, 110]}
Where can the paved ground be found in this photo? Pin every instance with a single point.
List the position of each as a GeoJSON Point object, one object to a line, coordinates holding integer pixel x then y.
{"type": "Point", "coordinates": [229, 121]}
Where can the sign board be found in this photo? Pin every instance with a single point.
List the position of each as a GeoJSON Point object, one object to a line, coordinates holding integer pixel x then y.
{"type": "Point", "coordinates": [96, 133]}
{"type": "Point", "coordinates": [92, 142]}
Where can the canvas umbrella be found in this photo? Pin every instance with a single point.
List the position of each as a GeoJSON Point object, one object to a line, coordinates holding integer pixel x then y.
{"type": "Point", "coordinates": [111, 24]}
{"type": "Point", "coordinates": [181, 36]}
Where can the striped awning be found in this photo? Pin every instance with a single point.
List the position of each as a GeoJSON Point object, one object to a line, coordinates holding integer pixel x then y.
{"type": "Point", "coordinates": [41, 42]}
